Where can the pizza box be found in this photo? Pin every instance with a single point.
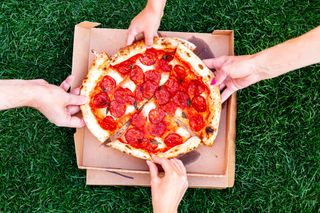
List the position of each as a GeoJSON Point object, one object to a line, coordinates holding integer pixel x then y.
{"type": "Point", "coordinates": [207, 167]}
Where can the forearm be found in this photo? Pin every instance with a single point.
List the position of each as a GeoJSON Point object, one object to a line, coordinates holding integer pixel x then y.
{"type": "Point", "coordinates": [156, 6]}
{"type": "Point", "coordinates": [290, 55]}
{"type": "Point", "coordinates": [15, 93]}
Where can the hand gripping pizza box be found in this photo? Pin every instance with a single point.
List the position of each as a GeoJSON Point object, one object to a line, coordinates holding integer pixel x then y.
{"type": "Point", "coordinates": [207, 167]}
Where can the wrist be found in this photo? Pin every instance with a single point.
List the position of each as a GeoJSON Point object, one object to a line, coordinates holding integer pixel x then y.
{"type": "Point", "coordinates": [156, 7]}
{"type": "Point", "coordinates": [33, 92]}
{"type": "Point", "coordinates": [260, 67]}
{"type": "Point", "coordinates": [166, 208]}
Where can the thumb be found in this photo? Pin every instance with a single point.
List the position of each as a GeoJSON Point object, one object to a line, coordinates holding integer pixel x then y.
{"type": "Point", "coordinates": [153, 170]}
{"type": "Point", "coordinates": [77, 99]}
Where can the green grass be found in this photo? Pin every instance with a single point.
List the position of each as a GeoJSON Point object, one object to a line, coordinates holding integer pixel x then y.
{"type": "Point", "coordinates": [278, 124]}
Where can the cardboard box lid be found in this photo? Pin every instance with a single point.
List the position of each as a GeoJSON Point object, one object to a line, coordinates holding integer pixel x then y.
{"type": "Point", "coordinates": [213, 162]}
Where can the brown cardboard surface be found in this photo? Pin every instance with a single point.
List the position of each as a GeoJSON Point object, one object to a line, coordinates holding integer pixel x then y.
{"type": "Point", "coordinates": [214, 166]}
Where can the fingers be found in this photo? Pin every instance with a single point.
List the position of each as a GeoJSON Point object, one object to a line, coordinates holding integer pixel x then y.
{"type": "Point", "coordinates": [73, 109]}
{"type": "Point", "coordinates": [148, 38]}
{"type": "Point", "coordinates": [226, 94]}
{"type": "Point", "coordinates": [75, 122]}
{"type": "Point", "coordinates": [77, 99]}
{"type": "Point", "coordinates": [215, 63]}
{"type": "Point", "coordinates": [153, 170]}
{"type": "Point", "coordinates": [131, 36]}
{"type": "Point", "coordinates": [66, 84]}
{"type": "Point", "coordinates": [165, 163]}
{"type": "Point", "coordinates": [180, 169]}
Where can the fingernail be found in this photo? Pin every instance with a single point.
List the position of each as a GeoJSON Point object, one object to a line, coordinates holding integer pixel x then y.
{"type": "Point", "coordinates": [213, 82]}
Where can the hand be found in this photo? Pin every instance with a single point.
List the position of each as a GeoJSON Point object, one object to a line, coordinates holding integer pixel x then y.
{"type": "Point", "coordinates": [146, 22]}
{"type": "Point", "coordinates": [57, 104]}
{"type": "Point", "coordinates": [167, 191]}
{"type": "Point", "coordinates": [234, 73]}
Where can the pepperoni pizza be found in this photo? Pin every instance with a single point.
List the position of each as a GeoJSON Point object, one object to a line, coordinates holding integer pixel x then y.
{"type": "Point", "coordinates": [162, 94]}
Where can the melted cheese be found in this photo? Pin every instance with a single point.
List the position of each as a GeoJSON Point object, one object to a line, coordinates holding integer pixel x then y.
{"type": "Point", "coordinates": [147, 108]}
{"type": "Point", "coordinates": [115, 75]}
{"type": "Point", "coordinates": [129, 84]}
{"type": "Point", "coordinates": [164, 78]}
{"type": "Point", "coordinates": [130, 109]}
{"type": "Point", "coordinates": [183, 132]}
{"type": "Point", "coordinates": [161, 143]}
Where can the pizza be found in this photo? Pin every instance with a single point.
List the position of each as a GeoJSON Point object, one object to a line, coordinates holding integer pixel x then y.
{"type": "Point", "coordinates": [159, 99]}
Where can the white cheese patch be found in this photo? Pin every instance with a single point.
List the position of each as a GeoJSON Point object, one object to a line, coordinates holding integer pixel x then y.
{"type": "Point", "coordinates": [102, 112]}
{"type": "Point", "coordinates": [129, 84]}
{"type": "Point", "coordinates": [115, 75]}
{"type": "Point", "coordinates": [130, 109]}
{"type": "Point", "coordinates": [147, 108]}
{"type": "Point", "coordinates": [144, 67]}
{"type": "Point", "coordinates": [183, 132]}
{"type": "Point", "coordinates": [160, 142]}
{"type": "Point", "coordinates": [164, 78]}
{"type": "Point", "coordinates": [178, 112]}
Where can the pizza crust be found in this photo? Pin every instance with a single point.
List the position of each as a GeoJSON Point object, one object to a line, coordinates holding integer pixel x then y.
{"type": "Point", "coordinates": [88, 85]}
{"type": "Point", "coordinates": [214, 99]}
{"type": "Point", "coordinates": [191, 144]}
{"type": "Point", "coordinates": [130, 150]}
{"type": "Point", "coordinates": [159, 43]}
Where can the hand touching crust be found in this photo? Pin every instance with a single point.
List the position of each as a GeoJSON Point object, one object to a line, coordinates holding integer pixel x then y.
{"type": "Point", "coordinates": [167, 191]}
{"type": "Point", "coordinates": [56, 103]}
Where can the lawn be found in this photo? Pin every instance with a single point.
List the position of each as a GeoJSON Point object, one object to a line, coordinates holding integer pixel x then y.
{"type": "Point", "coordinates": [278, 120]}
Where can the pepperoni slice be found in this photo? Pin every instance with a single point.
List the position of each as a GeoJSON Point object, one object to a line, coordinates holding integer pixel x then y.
{"type": "Point", "coordinates": [196, 122]}
{"type": "Point", "coordinates": [149, 57]}
{"type": "Point", "coordinates": [181, 99]}
{"type": "Point", "coordinates": [169, 107]}
{"type": "Point", "coordinates": [108, 123]}
{"type": "Point", "coordinates": [117, 109]}
{"type": "Point", "coordinates": [153, 75]}
{"type": "Point", "coordinates": [148, 89]}
{"type": "Point", "coordinates": [148, 145]}
{"type": "Point", "coordinates": [108, 84]}
{"type": "Point", "coordinates": [125, 67]}
{"type": "Point", "coordinates": [162, 95]}
{"type": "Point", "coordinates": [124, 95]}
{"type": "Point", "coordinates": [179, 71]}
{"type": "Point", "coordinates": [183, 86]}
{"type": "Point", "coordinates": [173, 139]}
{"type": "Point", "coordinates": [172, 85]}
{"type": "Point", "coordinates": [196, 87]}
{"type": "Point", "coordinates": [138, 93]}
{"type": "Point", "coordinates": [137, 75]}
{"type": "Point", "coordinates": [158, 129]}
{"type": "Point", "coordinates": [138, 120]}
{"type": "Point", "coordinates": [163, 65]}
{"type": "Point", "coordinates": [199, 103]}
{"type": "Point", "coordinates": [168, 57]}
{"type": "Point", "coordinates": [101, 100]}
{"type": "Point", "coordinates": [133, 136]}
{"type": "Point", "coordinates": [156, 115]}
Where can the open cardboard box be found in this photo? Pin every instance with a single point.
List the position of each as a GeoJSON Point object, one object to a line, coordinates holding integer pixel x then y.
{"type": "Point", "coordinates": [207, 167]}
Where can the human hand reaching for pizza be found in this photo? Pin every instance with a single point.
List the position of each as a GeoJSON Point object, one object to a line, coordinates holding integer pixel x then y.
{"type": "Point", "coordinates": [167, 191]}
{"type": "Point", "coordinates": [56, 103]}
{"type": "Point", "coordinates": [147, 22]}
{"type": "Point", "coordinates": [234, 73]}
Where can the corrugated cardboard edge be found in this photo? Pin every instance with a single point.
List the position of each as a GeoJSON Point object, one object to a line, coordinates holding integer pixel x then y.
{"type": "Point", "coordinates": [231, 119]}
{"type": "Point", "coordinates": [81, 33]}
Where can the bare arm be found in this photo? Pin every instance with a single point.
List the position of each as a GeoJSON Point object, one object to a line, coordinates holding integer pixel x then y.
{"type": "Point", "coordinates": [237, 72]}
{"type": "Point", "coordinates": [54, 102]}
